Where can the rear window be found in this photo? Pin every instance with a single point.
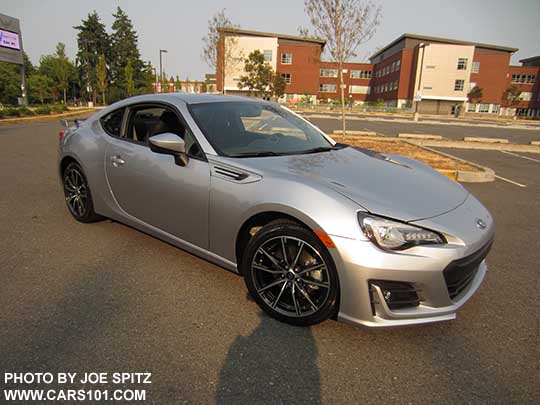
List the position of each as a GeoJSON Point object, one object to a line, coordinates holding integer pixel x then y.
{"type": "Point", "coordinates": [112, 122]}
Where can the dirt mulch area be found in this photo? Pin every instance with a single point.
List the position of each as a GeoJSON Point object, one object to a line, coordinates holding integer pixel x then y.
{"type": "Point", "coordinates": [412, 151]}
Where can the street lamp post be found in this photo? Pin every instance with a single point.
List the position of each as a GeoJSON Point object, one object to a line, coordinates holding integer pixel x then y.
{"type": "Point", "coordinates": [161, 51]}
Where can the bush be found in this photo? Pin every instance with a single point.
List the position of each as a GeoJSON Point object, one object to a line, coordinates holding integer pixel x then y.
{"type": "Point", "coordinates": [58, 108]}
{"type": "Point", "coordinates": [43, 110]}
{"type": "Point", "coordinates": [25, 111]}
{"type": "Point", "coordinates": [11, 112]}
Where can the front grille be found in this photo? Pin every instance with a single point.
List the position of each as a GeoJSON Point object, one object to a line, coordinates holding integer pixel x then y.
{"type": "Point", "coordinates": [397, 294]}
{"type": "Point", "coordinates": [459, 273]}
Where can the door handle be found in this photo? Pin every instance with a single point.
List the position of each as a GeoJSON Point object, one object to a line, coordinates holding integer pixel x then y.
{"type": "Point", "coordinates": [117, 161]}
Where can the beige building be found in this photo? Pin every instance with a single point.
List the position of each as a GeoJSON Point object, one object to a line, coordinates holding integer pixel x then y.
{"type": "Point", "coordinates": [442, 77]}
{"type": "Point", "coordinates": [238, 47]}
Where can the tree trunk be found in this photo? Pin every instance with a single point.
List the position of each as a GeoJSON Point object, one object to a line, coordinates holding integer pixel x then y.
{"type": "Point", "coordinates": [65, 97]}
{"type": "Point", "coordinates": [342, 88]}
{"type": "Point", "coordinates": [103, 97]}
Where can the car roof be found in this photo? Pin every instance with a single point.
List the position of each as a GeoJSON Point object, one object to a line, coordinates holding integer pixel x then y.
{"type": "Point", "coordinates": [190, 98]}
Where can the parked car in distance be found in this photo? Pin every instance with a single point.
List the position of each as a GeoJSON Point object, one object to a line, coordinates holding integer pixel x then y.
{"type": "Point", "coordinates": [316, 228]}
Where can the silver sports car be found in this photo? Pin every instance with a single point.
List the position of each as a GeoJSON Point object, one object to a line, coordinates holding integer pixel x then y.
{"type": "Point", "coordinates": [316, 228]}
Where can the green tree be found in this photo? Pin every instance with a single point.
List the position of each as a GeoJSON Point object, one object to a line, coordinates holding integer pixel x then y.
{"type": "Point", "coordinates": [92, 41]}
{"type": "Point", "coordinates": [10, 82]}
{"type": "Point", "coordinates": [277, 85]}
{"type": "Point", "coordinates": [40, 88]}
{"type": "Point", "coordinates": [178, 83]}
{"type": "Point", "coordinates": [475, 95]}
{"type": "Point", "coordinates": [125, 49]}
{"type": "Point", "coordinates": [101, 77]}
{"type": "Point", "coordinates": [128, 74]}
{"type": "Point", "coordinates": [259, 75]}
{"type": "Point", "coordinates": [512, 97]}
{"type": "Point", "coordinates": [62, 69]}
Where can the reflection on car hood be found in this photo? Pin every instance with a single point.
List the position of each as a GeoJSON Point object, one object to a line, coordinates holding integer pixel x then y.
{"type": "Point", "coordinates": [387, 185]}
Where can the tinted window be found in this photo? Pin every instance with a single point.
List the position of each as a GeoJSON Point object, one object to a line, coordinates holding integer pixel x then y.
{"type": "Point", "coordinates": [243, 128]}
{"type": "Point", "coordinates": [112, 122]}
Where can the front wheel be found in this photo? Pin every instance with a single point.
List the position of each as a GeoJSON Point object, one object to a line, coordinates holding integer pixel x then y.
{"type": "Point", "coordinates": [290, 274]}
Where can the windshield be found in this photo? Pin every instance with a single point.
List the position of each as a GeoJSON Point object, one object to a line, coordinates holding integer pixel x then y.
{"type": "Point", "coordinates": [245, 129]}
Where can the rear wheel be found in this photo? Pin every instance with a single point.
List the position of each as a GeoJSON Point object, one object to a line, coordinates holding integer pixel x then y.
{"type": "Point", "coordinates": [77, 193]}
{"type": "Point", "coordinates": [290, 274]}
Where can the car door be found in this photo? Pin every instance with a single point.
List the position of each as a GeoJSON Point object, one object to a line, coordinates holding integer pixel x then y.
{"type": "Point", "coordinates": [152, 187]}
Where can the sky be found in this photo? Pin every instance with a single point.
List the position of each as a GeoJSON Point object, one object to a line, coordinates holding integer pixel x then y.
{"type": "Point", "coordinates": [179, 25]}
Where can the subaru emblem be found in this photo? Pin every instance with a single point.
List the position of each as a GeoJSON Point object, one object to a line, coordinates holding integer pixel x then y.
{"type": "Point", "coordinates": [480, 224]}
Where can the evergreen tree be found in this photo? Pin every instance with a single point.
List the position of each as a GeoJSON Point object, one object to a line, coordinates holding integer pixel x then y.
{"type": "Point", "coordinates": [92, 41]}
{"type": "Point", "coordinates": [101, 77]}
{"type": "Point", "coordinates": [125, 50]}
{"type": "Point", "coordinates": [128, 73]}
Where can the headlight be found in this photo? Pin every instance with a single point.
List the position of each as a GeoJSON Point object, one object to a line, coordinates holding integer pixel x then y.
{"type": "Point", "coordinates": [393, 235]}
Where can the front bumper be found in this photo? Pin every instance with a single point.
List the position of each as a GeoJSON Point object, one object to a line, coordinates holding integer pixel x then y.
{"type": "Point", "coordinates": [363, 268]}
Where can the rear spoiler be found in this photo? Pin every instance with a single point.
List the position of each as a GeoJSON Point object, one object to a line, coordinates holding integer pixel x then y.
{"type": "Point", "coordinates": [72, 122]}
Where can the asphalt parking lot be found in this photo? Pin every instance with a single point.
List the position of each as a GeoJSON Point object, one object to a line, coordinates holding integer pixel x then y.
{"type": "Point", "coordinates": [105, 297]}
{"type": "Point", "coordinates": [389, 128]}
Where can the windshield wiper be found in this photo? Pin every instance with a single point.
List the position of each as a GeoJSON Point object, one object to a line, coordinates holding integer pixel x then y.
{"type": "Point", "coordinates": [255, 154]}
{"type": "Point", "coordinates": [318, 149]}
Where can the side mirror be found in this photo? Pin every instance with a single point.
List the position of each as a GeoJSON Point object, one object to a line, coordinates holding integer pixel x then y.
{"type": "Point", "coordinates": [169, 144]}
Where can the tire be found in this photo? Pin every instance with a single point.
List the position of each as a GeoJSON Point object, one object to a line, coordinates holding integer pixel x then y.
{"type": "Point", "coordinates": [302, 293]}
{"type": "Point", "coordinates": [78, 195]}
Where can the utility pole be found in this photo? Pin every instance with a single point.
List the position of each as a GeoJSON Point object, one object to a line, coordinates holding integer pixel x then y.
{"type": "Point", "coordinates": [161, 51]}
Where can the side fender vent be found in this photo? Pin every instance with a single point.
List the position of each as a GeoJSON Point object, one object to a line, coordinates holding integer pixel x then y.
{"type": "Point", "coordinates": [232, 174]}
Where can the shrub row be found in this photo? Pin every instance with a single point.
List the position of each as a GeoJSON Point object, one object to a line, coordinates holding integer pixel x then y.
{"type": "Point", "coordinates": [27, 112]}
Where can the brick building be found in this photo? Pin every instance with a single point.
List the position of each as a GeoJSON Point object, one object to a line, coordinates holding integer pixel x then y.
{"type": "Point", "coordinates": [433, 75]}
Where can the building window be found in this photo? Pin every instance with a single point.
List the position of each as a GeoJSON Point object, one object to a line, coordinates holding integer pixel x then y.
{"type": "Point", "coordinates": [267, 55]}
{"type": "Point", "coordinates": [359, 89]}
{"type": "Point", "coordinates": [286, 58]}
{"type": "Point", "coordinates": [483, 108]}
{"type": "Point", "coordinates": [395, 85]}
{"type": "Point", "coordinates": [516, 78]}
{"type": "Point", "coordinates": [526, 96]}
{"type": "Point", "coordinates": [475, 68]}
{"type": "Point", "coordinates": [471, 107]}
{"type": "Point", "coordinates": [360, 74]}
{"type": "Point", "coordinates": [462, 64]}
{"type": "Point", "coordinates": [398, 63]}
{"type": "Point", "coordinates": [327, 88]}
{"type": "Point", "coordinates": [430, 66]}
{"type": "Point", "coordinates": [428, 88]}
{"type": "Point", "coordinates": [472, 85]}
{"type": "Point", "coordinates": [459, 85]}
{"type": "Point", "coordinates": [329, 72]}
{"type": "Point", "coordinates": [495, 108]}
{"type": "Point", "coordinates": [287, 77]}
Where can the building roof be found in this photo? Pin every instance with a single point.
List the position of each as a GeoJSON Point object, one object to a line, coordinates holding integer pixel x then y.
{"type": "Point", "coordinates": [239, 31]}
{"type": "Point", "coordinates": [531, 59]}
{"type": "Point", "coordinates": [443, 40]}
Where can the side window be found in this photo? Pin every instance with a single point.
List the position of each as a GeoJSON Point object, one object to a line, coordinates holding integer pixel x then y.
{"type": "Point", "coordinates": [112, 122]}
{"type": "Point", "coordinates": [145, 122]}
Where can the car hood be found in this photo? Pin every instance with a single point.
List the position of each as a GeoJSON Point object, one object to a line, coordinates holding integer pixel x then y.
{"type": "Point", "coordinates": [383, 184]}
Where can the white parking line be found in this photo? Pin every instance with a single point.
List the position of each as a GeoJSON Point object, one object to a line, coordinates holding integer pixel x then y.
{"type": "Point", "coordinates": [510, 181]}
{"type": "Point", "coordinates": [523, 157]}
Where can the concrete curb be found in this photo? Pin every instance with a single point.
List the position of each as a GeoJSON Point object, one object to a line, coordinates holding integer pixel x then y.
{"type": "Point", "coordinates": [421, 136]}
{"type": "Point", "coordinates": [510, 147]}
{"type": "Point", "coordinates": [485, 140]}
{"type": "Point", "coordinates": [361, 133]}
{"type": "Point", "coordinates": [484, 176]}
{"type": "Point", "coordinates": [50, 117]}
{"type": "Point", "coordinates": [537, 143]}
